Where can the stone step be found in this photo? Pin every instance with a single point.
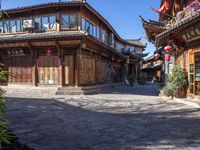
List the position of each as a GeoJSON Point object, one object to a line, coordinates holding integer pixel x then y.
{"type": "Point", "coordinates": [79, 92]}
{"type": "Point", "coordinates": [86, 90]}
{"type": "Point", "coordinates": [31, 92]}
{"type": "Point", "coordinates": [69, 93]}
{"type": "Point", "coordinates": [22, 90]}
{"type": "Point", "coordinates": [55, 90]}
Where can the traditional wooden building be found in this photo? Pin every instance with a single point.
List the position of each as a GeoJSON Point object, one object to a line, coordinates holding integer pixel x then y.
{"type": "Point", "coordinates": [179, 27]}
{"type": "Point", "coordinates": [62, 43]}
{"type": "Point", "coordinates": [153, 67]}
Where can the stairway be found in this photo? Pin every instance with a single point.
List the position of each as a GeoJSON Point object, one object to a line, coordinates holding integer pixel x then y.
{"type": "Point", "coordinates": [89, 90]}
{"type": "Point", "coordinates": [29, 90]}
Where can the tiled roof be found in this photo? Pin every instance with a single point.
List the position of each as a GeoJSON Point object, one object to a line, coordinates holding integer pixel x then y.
{"type": "Point", "coordinates": [152, 28]}
{"type": "Point", "coordinates": [151, 66]}
{"type": "Point", "coordinates": [153, 23]}
{"type": "Point", "coordinates": [149, 58]}
{"type": "Point", "coordinates": [43, 5]}
{"type": "Point", "coordinates": [136, 42]}
{"type": "Point", "coordinates": [141, 55]}
{"type": "Point", "coordinates": [38, 36]}
{"type": "Point", "coordinates": [135, 55]}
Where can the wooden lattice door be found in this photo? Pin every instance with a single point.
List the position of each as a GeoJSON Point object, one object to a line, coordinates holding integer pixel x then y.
{"type": "Point", "coordinates": [49, 70]}
{"type": "Point", "coordinates": [69, 70]}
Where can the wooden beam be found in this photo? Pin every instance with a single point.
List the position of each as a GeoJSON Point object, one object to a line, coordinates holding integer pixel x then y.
{"type": "Point", "coordinates": [61, 57]}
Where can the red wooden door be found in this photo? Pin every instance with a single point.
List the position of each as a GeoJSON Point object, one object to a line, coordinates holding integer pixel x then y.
{"type": "Point", "coordinates": [19, 68]}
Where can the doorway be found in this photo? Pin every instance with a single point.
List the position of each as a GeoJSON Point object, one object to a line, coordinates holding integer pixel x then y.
{"type": "Point", "coordinates": [49, 69]}
{"type": "Point", "coordinates": [69, 69]}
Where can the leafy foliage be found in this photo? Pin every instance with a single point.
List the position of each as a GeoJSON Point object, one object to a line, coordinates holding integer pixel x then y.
{"type": "Point", "coordinates": [131, 79]}
{"type": "Point", "coordinates": [141, 79]}
{"type": "Point", "coordinates": [5, 135]}
{"type": "Point", "coordinates": [160, 86]}
{"type": "Point", "coordinates": [169, 89]}
{"type": "Point", "coordinates": [178, 77]}
{"type": "Point", "coordinates": [177, 83]}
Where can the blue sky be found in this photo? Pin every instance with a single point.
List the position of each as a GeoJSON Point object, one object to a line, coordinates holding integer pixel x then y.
{"type": "Point", "coordinates": [123, 15]}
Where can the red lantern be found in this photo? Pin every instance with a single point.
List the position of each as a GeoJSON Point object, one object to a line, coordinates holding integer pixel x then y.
{"type": "Point", "coordinates": [48, 52]}
{"type": "Point", "coordinates": [168, 48]}
{"type": "Point", "coordinates": [167, 57]}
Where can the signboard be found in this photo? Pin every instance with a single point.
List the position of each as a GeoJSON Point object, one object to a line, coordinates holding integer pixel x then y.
{"type": "Point", "coordinates": [191, 33]}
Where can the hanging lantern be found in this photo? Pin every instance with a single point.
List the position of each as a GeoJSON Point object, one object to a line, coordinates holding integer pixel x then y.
{"type": "Point", "coordinates": [167, 57]}
{"type": "Point", "coordinates": [48, 52]}
{"type": "Point", "coordinates": [168, 48]}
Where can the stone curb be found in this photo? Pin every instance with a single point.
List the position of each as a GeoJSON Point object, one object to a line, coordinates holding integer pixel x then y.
{"type": "Point", "coordinates": [192, 103]}
{"type": "Point", "coordinates": [187, 102]}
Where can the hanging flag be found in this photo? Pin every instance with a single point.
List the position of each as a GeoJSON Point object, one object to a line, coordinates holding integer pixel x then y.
{"type": "Point", "coordinates": [164, 7]}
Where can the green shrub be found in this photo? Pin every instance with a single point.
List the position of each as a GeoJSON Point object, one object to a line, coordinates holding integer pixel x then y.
{"type": "Point", "coordinates": [131, 79]}
{"type": "Point", "coordinates": [177, 83]}
{"type": "Point", "coordinates": [5, 136]}
{"type": "Point", "coordinates": [178, 77]}
{"type": "Point", "coordinates": [141, 79]}
{"type": "Point", "coordinates": [169, 90]}
{"type": "Point", "coordinates": [160, 86]}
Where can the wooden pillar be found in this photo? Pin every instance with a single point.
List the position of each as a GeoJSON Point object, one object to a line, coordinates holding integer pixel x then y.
{"type": "Point", "coordinates": [34, 68]}
{"type": "Point", "coordinates": [36, 73]}
{"type": "Point", "coordinates": [76, 67]}
{"type": "Point", "coordinates": [61, 59]}
{"type": "Point", "coordinates": [62, 66]}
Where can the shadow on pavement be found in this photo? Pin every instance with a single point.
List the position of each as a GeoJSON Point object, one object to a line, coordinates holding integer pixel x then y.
{"type": "Point", "coordinates": [47, 124]}
{"type": "Point", "coordinates": [145, 90]}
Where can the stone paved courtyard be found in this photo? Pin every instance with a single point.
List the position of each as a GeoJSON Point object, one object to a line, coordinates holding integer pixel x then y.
{"type": "Point", "coordinates": [129, 118]}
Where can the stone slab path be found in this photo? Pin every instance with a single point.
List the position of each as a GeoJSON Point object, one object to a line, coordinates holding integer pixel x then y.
{"type": "Point", "coordinates": [125, 118]}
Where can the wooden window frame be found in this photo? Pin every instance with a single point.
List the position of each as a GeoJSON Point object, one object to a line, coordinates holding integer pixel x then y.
{"type": "Point", "coordinates": [41, 24]}
{"type": "Point", "coordinates": [69, 29]}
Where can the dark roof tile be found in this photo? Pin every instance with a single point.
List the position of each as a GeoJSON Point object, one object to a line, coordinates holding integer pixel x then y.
{"type": "Point", "coordinates": [38, 36]}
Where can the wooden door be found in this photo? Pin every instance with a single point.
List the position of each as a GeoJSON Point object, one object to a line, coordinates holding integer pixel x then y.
{"type": "Point", "coordinates": [91, 70]}
{"type": "Point", "coordinates": [69, 69]}
{"type": "Point", "coordinates": [19, 68]}
{"type": "Point", "coordinates": [87, 70]}
{"type": "Point", "coordinates": [49, 70]}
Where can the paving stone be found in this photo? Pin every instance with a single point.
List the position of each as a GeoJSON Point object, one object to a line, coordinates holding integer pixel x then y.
{"type": "Point", "coordinates": [123, 118]}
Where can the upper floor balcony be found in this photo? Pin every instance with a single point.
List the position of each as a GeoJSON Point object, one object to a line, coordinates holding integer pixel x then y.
{"type": "Point", "coordinates": [192, 10]}
{"type": "Point", "coordinates": [56, 17]}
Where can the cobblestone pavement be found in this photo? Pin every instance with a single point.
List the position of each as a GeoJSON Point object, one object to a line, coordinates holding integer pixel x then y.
{"type": "Point", "coordinates": [124, 118]}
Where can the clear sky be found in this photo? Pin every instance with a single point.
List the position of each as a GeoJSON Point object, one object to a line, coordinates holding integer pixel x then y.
{"type": "Point", "coordinates": [123, 15]}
